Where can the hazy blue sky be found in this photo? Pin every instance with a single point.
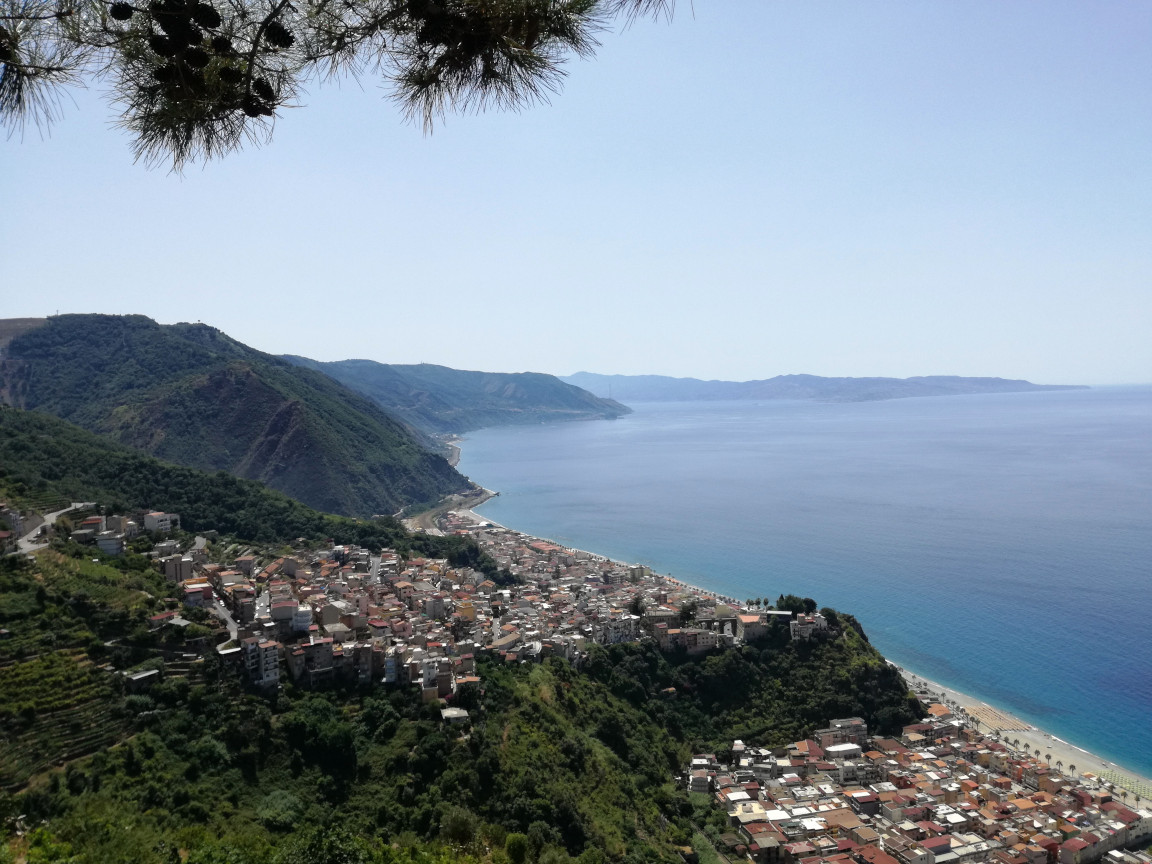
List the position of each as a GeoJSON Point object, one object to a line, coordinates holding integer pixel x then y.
{"type": "Point", "coordinates": [881, 188]}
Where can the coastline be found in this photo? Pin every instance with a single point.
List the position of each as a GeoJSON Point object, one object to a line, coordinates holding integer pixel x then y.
{"type": "Point", "coordinates": [461, 502]}
{"type": "Point", "coordinates": [989, 719]}
{"type": "Point", "coordinates": [453, 446]}
{"type": "Point", "coordinates": [1009, 728]}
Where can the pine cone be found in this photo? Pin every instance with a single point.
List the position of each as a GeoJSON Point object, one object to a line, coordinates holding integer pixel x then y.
{"type": "Point", "coordinates": [278, 35]}
{"type": "Point", "coordinates": [206, 16]}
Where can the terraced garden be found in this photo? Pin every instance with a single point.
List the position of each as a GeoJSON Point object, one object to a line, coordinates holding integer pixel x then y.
{"type": "Point", "coordinates": [62, 602]}
{"type": "Point", "coordinates": [98, 582]}
{"type": "Point", "coordinates": [55, 703]}
{"type": "Point", "coordinates": [52, 709]}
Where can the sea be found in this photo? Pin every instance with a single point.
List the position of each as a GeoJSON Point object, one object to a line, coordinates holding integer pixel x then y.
{"type": "Point", "coordinates": [997, 544]}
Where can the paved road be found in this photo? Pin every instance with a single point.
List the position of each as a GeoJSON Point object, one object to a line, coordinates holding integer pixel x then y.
{"type": "Point", "coordinates": [28, 541]}
{"type": "Point", "coordinates": [221, 612]}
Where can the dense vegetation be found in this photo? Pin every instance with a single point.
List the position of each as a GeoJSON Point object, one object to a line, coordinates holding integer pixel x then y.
{"type": "Point", "coordinates": [42, 455]}
{"type": "Point", "coordinates": [64, 616]}
{"type": "Point", "coordinates": [66, 603]}
{"type": "Point", "coordinates": [557, 763]}
{"type": "Point", "coordinates": [191, 395]}
{"type": "Point", "coordinates": [438, 399]}
{"type": "Point", "coordinates": [768, 693]}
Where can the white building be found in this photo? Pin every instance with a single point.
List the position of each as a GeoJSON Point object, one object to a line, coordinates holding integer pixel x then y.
{"type": "Point", "coordinates": [262, 662]}
{"type": "Point", "coordinates": [161, 522]}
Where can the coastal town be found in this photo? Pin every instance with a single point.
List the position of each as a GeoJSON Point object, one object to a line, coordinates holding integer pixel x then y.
{"type": "Point", "coordinates": [944, 790]}
{"type": "Point", "coordinates": [940, 792]}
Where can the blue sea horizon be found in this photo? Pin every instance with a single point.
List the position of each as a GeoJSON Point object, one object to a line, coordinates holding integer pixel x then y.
{"type": "Point", "coordinates": [998, 544]}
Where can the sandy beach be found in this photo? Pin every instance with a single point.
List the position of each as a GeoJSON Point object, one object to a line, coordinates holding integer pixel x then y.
{"type": "Point", "coordinates": [1021, 735]}
{"type": "Point", "coordinates": [1011, 730]}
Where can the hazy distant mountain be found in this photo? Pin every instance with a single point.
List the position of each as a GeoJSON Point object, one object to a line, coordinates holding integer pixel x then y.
{"type": "Point", "coordinates": [660, 388]}
{"type": "Point", "coordinates": [438, 399]}
{"type": "Point", "coordinates": [189, 394]}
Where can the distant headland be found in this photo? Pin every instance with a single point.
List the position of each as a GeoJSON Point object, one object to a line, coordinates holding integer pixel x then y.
{"type": "Point", "coordinates": [661, 388]}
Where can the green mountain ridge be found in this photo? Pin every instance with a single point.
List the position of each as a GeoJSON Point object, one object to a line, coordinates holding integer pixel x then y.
{"type": "Point", "coordinates": [442, 400]}
{"type": "Point", "coordinates": [188, 393]}
{"type": "Point", "coordinates": [42, 455]}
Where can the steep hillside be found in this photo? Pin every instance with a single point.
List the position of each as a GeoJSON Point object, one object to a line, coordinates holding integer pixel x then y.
{"type": "Point", "coordinates": [41, 455]}
{"type": "Point", "coordinates": [188, 393]}
{"type": "Point", "coordinates": [661, 388]}
{"type": "Point", "coordinates": [438, 399]}
{"type": "Point", "coordinates": [583, 763]}
{"type": "Point", "coordinates": [10, 328]}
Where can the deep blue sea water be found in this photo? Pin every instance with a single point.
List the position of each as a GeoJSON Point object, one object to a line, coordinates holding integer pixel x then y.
{"type": "Point", "coordinates": [999, 544]}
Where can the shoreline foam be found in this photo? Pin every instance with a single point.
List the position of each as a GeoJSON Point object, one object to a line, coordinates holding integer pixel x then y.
{"type": "Point", "coordinates": [990, 717]}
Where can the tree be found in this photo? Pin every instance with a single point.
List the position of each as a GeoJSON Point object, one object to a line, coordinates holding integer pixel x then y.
{"type": "Point", "coordinates": [325, 846]}
{"type": "Point", "coordinates": [195, 79]}
{"type": "Point", "coordinates": [459, 826]}
{"type": "Point", "coordinates": [516, 846]}
{"type": "Point", "coordinates": [688, 613]}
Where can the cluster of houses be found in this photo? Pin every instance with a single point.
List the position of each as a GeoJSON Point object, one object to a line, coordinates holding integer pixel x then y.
{"type": "Point", "coordinates": [941, 793]}
{"type": "Point", "coordinates": [110, 534]}
{"type": "Point", "coordinates": [344, 613]}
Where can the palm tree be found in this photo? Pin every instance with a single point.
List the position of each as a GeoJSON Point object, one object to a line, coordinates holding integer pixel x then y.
{"type": "Point", "coordinates": [1072, 769]}
{"type": "Point", "coordinates": [1037, 752]}
{"type": "Point", "coordinates": [1059, 766]}
{"type": "Point", "coordinates": [1048, 757]}
{"type": "Point", "coordinates": [1124, 795]}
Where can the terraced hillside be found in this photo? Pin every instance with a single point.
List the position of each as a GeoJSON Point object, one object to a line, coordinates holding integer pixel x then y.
{"type": "Point", "coordinates": [55, 708]}
{"type": "Point", "coordinates": [72, 624]}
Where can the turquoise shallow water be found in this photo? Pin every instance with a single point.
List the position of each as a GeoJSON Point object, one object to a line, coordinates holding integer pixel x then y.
{"type": "Point", "coordinates": [999, 544]}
